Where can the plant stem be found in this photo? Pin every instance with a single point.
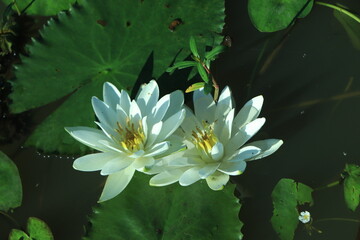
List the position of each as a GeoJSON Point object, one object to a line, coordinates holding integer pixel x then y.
{"type": "Point", "coordinates": [340, 9]}
{"type": "Point", "coordinates": [337, 219]}
{"type": "Point", "coordinates": [215, 85]}
{"type": "Point", "coordinates": [333, 184]}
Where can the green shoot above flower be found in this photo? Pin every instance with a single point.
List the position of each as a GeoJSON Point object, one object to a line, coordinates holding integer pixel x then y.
{"type": "Point", "coordinates": [202, 65]}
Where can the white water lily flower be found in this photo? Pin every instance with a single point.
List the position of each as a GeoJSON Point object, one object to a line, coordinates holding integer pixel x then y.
{"type": "Point", "coordinates": [215, 142]}
{"type": "Point", "coordinates": [134, 133]}
{"type": "Point", "coordinates": [304, 217]}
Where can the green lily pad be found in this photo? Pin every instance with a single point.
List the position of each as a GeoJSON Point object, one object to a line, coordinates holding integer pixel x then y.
{"type": "Point", "coordinates": [169, 213]}
{"type": "Point", "coordinates": [10, 184]}
{"type": "Point", "coordinates": [43, 7]}
{"type": "Point", "coordinates": [352, 186]}
{"type": "Point", "coordinates": [105, 41]}
{"type": "Point", "coordinates": [286, 196]}
{"type": "Point", "coordinates": [275, 15]}
{"type": "Point", "coordinates": [36, 228]}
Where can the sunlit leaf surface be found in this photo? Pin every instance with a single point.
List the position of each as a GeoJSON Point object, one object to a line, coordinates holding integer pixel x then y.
{"type": "Point", "coordinates": [352, 186]}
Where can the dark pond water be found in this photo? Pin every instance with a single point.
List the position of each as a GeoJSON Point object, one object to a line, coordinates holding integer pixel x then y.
{"type": "Point", "coordinates": [312, 101]}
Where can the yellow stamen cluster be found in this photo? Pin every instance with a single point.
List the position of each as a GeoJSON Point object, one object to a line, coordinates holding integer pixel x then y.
{"type": "Point", "coordinates": [131, 138]}
{"type": "Point", "coordinates": [204, 139]}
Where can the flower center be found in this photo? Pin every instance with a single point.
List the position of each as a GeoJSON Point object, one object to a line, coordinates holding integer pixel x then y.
{"type": "Point", "coordinates": [204, 139]}
{"type": "Point", "coordinates": [132, 138]}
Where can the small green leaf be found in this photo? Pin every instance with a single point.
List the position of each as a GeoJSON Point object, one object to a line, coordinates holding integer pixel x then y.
{"type": "Point", "coordinates": [181, 65]}
{"type": "Point", "coordinates": [168, 213]}
{"type": "Point", "coordinates": [193, 47]}
{"type": "Point", "coordinates": [214, 52]}
{"type": "Point", "coordinates": [286, 196]}
{"type": "Point", "coordinates": [195, 86]}
{"type": "Point", "coordinates": [17, 234]}
{"type": "Point", "coordinates": [10, 184]}
{"type": "Point", "coordinates": [38, 229]}
{"type": "Point", "coordinates": [275, 15]}
{"type": "Point", "coordinates": [352, 186]}
{"type": "Point", "coordinates": [202, 72]}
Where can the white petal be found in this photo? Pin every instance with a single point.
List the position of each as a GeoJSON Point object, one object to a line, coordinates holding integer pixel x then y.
{"type": "Point", "coordinates": [176, 103]}
{"type": "Point", "coordinates": [160, 110]}
{"type": "Point", "coordinates": [109, 131]}
{"type": "Point", "coordinates": [125, 101]}
{"type": "Point", "coordinates": [121, 115]}
{"type": "Point", "coordinates": [170, 125]}
{"type": "Point", "coordinates": [233, 168]}
{"type": "Point", "coordinates": [227, 127]}
{"type": "Point", "coordinates": [145, 127]}
{"type": "Point", "coordinates": [137, 154]}
{"type": "Point", "coordinates": [154, 133]}
{"type": "Point", "coordinates": [189, 176]}
{"type": "Point", "coordinates": [89, 136]}
{"type": "Point", "coordinates": [245, 153]}
{"type": "Point", "coordinates": [111, 95]}
{"type": "Point", "coordinates": [157, 149]}
{"type": "Point", "coordinates": [116, 165]}
{"type": "Point", "coordinates": [135, 113]}
{"type": "Point", "coordinates": [204, 106]}
{"type": "Point", "coordinates": [182, 162]}
{"type": "Point", "coordinates": [268, 147]}
{"type": "Point", "coordinates": [147, 97]}
{"type": "Point", "coordinates": [208, 169]}
{"type": "Point", "coordinates": [175, 145]}
{"type": "Point", "coordinates": [93, 162]}
{"type": "Point", "coordinates": [143, 162]}
{"type": "Point", "coordinates": [103, 112]}
{"type": "Point", "coordinates": [224, 105]}
{"type": "Point", "coordinates": [190, 121]}
{"type": "Point", "coordinates": [217, 151]}
{"type": "Point", "coordinates": [116, 183]}
{"type": "Point", "coordinates": [244, 134]}
{"type": "Point", "coordinates": [217, 180]}
{"type": "Point", "coordinates": [249, 112]}
{"type": "Point", "coordinates": [166, 178]}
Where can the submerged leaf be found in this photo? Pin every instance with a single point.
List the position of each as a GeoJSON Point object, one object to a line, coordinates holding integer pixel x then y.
{"type": "Point", "coordinates": [104, 41]}
{"type": "Point", "coordinates": [275, 15]}
{"type": "Point", "coordinates": [351, 27]}
{"type": "Point", "coordinates": [286, 196]}
{"type": "Point", "coordinates": [352, 186]}
{"type": "Point", "coordinates": [10, 184]}
{"type": "Point", "coordinates": [169, 213]}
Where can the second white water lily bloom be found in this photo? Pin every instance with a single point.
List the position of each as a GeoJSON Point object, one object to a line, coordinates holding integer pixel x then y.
{"type": "Point", "coordinates": [216, 142]}
{"type": "Point", "coordinates": [134, 134]}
